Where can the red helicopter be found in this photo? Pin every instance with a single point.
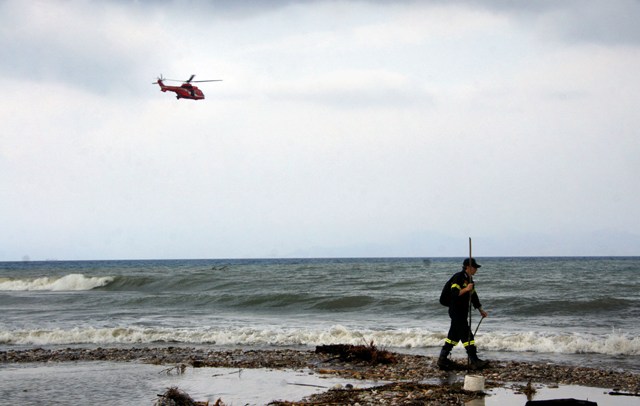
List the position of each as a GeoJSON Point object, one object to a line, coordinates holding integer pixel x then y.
{"type": "Point", "coordinates": [186, 90]}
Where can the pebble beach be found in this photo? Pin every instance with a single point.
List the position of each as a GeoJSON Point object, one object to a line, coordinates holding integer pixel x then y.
{"type": "Point", "coordinates": [411, 379]}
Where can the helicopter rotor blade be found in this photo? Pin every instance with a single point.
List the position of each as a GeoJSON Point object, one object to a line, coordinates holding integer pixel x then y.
{"type": "Point", "coordinates": [190, 80]}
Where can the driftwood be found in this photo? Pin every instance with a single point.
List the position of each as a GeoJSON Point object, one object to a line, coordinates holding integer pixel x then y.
{"type": "Point", "coordinates": [175, 397]}
{"type": "Point", "coordinates": [617, 393]}
{"type": "Point", "coordinates": [560, 402]}
{"type": "Point", "coordinates": [346, 352]}
{"type": "Point", "coordinates": [179, 369]}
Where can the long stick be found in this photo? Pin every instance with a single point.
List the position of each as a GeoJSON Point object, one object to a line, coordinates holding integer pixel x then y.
{"type": "Point", "coordinates": [470, 294]}
{"type": "Point", "coordinates": [477, 327]}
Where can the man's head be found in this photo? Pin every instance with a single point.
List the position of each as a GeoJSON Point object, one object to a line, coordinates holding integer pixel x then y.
{"type": "Point", "coordinates": [470, 266]}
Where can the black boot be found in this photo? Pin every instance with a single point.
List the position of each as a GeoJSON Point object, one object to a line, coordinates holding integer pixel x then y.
{"type": "Point", "coordinates": [475, 362]}
{"type": "Point", "coordinates": [444, 362]}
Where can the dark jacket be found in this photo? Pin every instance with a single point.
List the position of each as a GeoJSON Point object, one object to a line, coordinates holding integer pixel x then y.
{"type": "Point", "coordinates": [459, 305]}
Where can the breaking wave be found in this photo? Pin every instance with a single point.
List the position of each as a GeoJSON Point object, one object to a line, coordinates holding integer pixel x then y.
{"type": "Point", "coordinates": [63, 283]}
{"type": "Point", "coordinates": [615, 343]}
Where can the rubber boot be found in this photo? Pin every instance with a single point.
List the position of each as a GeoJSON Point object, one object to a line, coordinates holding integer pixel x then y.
{"type": "Point", "coordinates": [444, 362]}
{"type": "Point", "coordinates": [475, 362]}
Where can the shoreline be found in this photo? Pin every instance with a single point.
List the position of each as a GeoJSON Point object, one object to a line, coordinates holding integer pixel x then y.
{"type": "Point", "coordinates": [411, 378]}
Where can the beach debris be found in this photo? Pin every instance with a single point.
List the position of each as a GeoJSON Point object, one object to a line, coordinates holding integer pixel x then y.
{"type": "Point", "coordinates": [178, 369]}
{"type": "Point", "coordinates": [176, 397]}
{"type": "Point", "coordinates": [528, 390]}
{"type": "Point", "coordinates": [398, 393]}
{"type": "Point", "coordinates": [307, 384]}
{"type": "Point", "coordinates": [197, 363]}
{"type": "Point", "coordinates": [239, 372]}
{"type": "Point", "coordinates": [560, 402]}
{"type": "Point", "coordinates": [347, 352]}
{"type": "Point", "coordinates": [618, 393]}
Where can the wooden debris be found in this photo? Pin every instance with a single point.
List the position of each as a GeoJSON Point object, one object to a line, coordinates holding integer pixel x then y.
{"type": "Point", "coordinates": [618, 393]}
{"type": "Point", "coordinates": [179, 369]}
{"type": "Point", "coordinates": [560, 402]}
{"type": "Point", "coordinates": [369, 353]}
{"type": "Point", "coordinates": [175, 397]}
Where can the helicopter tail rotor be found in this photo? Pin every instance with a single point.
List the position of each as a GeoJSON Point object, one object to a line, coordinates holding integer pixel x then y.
{"type": "Point", "coordinates": [160, 79]}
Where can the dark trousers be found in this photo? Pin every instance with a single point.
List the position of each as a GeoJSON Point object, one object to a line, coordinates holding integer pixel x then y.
{"type": "Point", "coordinates": [459, 332]}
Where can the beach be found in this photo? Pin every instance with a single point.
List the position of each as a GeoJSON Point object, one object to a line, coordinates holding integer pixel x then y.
{"type": "Point", "coordinates": [410, 379]}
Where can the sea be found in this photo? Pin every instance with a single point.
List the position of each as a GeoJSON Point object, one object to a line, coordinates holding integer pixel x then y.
{"type": "Point", "coordinates": [573, 310]}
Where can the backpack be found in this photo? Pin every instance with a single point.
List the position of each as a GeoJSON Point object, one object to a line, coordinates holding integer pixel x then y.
{"type": "Point", "coordinates": [445, 296]}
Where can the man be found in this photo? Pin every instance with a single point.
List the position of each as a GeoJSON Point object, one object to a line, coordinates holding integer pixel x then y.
{"type": "Point", "coordinates": [462, 291]}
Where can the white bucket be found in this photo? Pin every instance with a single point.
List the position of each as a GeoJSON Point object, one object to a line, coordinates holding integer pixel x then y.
{"type": "Point", "coordinates": [474, 383]}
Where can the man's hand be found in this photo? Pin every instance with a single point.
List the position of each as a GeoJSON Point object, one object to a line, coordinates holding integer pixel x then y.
{"type": "Point", "coordinates": [483, 313]}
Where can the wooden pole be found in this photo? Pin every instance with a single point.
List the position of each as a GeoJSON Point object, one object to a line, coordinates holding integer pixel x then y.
{"type": "Point", "coordinates": [470, 294]}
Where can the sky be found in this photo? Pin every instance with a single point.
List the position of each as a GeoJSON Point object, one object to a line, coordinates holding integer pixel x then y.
{"type": "Point", "coordinates": [339, 129]}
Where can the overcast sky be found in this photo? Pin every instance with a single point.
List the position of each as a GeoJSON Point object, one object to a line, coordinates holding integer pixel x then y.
{"type": "Point", "coordinates": [341, 128]}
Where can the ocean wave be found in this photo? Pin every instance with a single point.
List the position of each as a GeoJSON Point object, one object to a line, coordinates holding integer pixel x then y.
{"type": "Point", "coordinates": [228, 336]}
{"type": "Point", "coordinates": [61, 283]}
{"type": "Point", "coordinates": [535, 306]}
{"type": "Point", "coordinates": [344, 303]}
{"type": "Point", "coordinates": [615, 343]}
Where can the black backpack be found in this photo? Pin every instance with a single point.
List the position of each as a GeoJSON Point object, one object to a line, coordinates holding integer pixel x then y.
{"type": "Point", "coordinates": [445, 296]}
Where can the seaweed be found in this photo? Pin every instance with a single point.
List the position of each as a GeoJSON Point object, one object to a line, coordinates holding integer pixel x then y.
{"type": "Point", "coordinates": [368, 353]}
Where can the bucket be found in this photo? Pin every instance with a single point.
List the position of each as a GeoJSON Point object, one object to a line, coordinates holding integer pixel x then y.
{"type": "Point", "coordinates": [474, 383]}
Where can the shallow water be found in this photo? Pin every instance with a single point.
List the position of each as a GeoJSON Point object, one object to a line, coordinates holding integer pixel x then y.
{"type": "Point", "coordinates": [80, 383]}
{"type": "Point", "coordinates": [507, 397]}
{"type": "Point", "coordinates": [110, 383]}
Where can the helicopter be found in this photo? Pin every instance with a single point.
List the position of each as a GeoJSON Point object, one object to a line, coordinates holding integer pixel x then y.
{"type": "Point", "coordinates": [186, 90]}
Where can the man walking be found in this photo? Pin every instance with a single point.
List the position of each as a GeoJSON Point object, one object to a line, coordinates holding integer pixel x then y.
{"type": "Point", "coordinates": [462, 291]}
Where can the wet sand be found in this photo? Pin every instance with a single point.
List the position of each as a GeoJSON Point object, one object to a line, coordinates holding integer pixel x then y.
{"type": "Point", "coordinates": [412, 379]}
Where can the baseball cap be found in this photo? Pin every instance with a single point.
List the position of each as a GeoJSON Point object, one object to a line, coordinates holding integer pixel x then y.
{"type": "Point", "coordinates": [473, 263]}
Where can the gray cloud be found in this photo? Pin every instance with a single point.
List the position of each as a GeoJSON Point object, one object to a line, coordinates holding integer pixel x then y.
{"type": "Point", "coordinates": [340, 127]}
{"type": "Point", "coordinates": [586, 21]}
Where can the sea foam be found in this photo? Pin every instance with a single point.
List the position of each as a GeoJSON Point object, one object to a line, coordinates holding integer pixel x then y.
{"type": "Point", "coordinates": [63, 283]}
{"type": "Point", "coordinates": [612, 344]}
{"type": "Point", "coordinates": [615, 343]}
